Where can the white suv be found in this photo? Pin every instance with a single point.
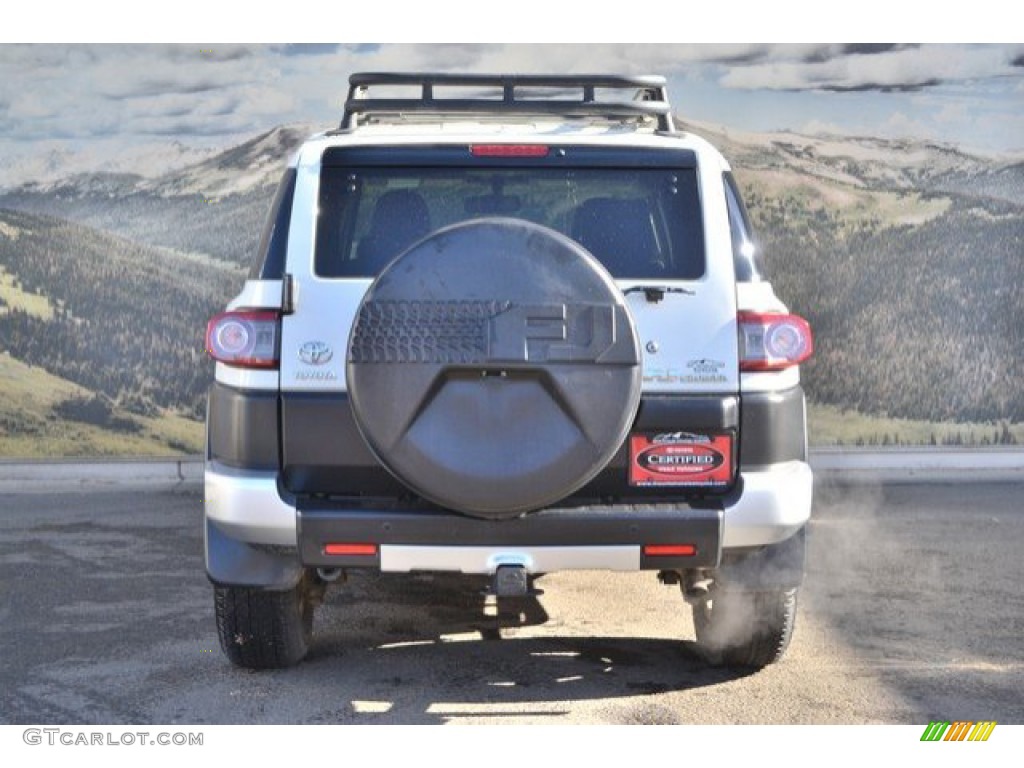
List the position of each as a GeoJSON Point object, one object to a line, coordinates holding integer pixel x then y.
{"type": "Point", "coordinates": [507, 325]}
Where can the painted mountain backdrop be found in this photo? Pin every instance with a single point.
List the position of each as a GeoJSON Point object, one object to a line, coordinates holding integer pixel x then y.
{"type": "Point", "coordinates": [906, 257]}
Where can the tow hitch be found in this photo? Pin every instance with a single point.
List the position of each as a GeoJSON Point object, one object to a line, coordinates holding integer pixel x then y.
{"type": "Point", "coordinates": [511, 601]}
{"type": "Point", "coordinates": [512, 581]}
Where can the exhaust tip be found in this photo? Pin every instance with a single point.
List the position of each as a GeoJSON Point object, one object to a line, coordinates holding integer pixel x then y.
{"type": "Point", "coordinates": [329, 574]}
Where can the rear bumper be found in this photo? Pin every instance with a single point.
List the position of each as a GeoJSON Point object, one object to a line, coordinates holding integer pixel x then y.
{"type": "Point", "coordinates": [768, 506]}
{"type": "Point", "coordinates": [552, 539]}
{"type": "Point", "coordinates": [246, 505]}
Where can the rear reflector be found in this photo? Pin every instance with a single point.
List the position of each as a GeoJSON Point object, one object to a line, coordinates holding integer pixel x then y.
{"type": "Point", "coordinates": [509, 150]}
{"type": "Point", "coordinates": [670, 550]}
{"type": "Point", "coordinates": [773, 342]}
{"type": "Point", "coordinates": [363, 550]}
{"type": "Point", "coordinates": [246, 339]}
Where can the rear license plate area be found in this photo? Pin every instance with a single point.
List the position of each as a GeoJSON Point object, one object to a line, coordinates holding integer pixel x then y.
{"type": "Point", "coordinates": [681, 460]}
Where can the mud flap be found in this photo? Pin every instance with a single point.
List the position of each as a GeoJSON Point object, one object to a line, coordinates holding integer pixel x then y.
{"type": "Point", "coordinates": [230, 562]}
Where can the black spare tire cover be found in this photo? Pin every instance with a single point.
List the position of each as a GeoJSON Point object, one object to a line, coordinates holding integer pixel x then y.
{"type": "Point", "coordinates": [493, 367]}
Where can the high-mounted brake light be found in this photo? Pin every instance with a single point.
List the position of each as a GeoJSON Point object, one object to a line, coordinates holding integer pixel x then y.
{"type": "Point", "coordinates": [773, 342]}
{"type": "Point", "coordinates": [246, 339]}
{"type": "Point", "coordinates": [509, 150]}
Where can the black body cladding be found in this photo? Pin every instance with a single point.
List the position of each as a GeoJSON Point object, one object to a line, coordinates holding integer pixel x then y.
{"type": "Point", "coordinates": [328, 456]}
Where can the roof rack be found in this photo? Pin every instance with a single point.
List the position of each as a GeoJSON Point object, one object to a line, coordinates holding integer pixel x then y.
{"type": "Point", "coordinates": [650, 99]}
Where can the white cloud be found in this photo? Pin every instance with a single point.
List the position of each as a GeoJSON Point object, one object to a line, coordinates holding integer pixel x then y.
{"type": "Point", "coordinates": [29, 106]}
{"type": "Point", "coordinates": [90, 91]}
{"type": "Point", "coordinates": [839, 68]}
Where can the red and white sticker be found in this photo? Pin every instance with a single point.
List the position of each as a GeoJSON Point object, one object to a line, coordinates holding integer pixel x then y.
{"type": "Point", "coordinates": [680, 459]}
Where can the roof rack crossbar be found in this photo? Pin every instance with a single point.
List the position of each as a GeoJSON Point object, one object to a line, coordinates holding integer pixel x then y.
{"type": "Point", "coordinates": [650, 100]}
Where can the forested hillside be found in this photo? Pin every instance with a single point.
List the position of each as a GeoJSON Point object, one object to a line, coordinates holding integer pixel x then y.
{"type": "Point", "coordinates": [226, 228]}
{"type": "Point", "coordinates": [921, 322]}
{"type": "Point", "coordinates": [109, 314]}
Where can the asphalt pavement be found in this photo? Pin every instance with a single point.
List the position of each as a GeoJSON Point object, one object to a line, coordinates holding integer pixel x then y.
{"type": "Point", "coordinates": [912, 611]}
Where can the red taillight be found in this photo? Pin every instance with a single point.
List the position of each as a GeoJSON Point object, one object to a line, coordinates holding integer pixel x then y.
{"type": "Point", "coordinates": [772, 342]}
{"type": "Point", "coordinates": [670, 550]}
{"type": "Point", "coordinates": [368, 550]}
{"type": "Point", "coordinates": [247, 339]}
{"type": "Point", "coordinates": [509, 150]}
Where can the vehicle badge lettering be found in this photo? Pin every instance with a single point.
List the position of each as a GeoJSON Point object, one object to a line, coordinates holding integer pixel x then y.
{"type": "Point", "coordinates": [705, 365]}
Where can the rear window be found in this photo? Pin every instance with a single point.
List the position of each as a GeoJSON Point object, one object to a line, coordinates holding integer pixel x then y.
{"type": "Point", "coordinates": [639, 222]}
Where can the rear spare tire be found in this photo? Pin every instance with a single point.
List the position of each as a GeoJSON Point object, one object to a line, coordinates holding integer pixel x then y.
{"type": "Point", "coordinates": [494, 368]}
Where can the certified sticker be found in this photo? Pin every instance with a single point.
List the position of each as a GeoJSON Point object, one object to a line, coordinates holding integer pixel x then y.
{"type": "Point", "coordinates": [680, 459]}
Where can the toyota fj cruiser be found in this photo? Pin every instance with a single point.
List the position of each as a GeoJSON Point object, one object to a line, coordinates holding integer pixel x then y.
{"type": "Point", "coordinates": [507, 325]}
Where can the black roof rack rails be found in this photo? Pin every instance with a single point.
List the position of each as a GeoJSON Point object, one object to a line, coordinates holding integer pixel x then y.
{"type": "Point", "coordinates": [650, 99]}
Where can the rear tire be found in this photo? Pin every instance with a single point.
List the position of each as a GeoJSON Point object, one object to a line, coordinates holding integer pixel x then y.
{"type": "Point", "coordinates": [745, 629]}
{"type": "Point", "coordinates": [260, 629]}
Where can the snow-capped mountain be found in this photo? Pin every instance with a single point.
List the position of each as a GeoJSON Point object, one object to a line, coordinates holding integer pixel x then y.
{"type": "Point", "coordinates": [255, 163]}
{"type": "Point", "coordinates": [214, 205]}
{"type": "Point", "coordinates": [58, 165]}
{"type": "Point", "coordinates": [171, 169]}
{"type": "Point", "coordinates": [869, 163]}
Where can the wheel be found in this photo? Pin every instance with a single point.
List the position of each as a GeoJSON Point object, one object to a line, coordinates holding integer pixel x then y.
{"type": "Point", "coordinates": [494, 367]}
{"type": "Point", "coordinates": [260, 629]}
{"type": "Point", "coordinates": [745, 629]}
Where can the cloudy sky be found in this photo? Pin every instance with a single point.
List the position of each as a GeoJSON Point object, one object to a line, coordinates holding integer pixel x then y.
{"type": "Point", "coordinates": [96, 99]}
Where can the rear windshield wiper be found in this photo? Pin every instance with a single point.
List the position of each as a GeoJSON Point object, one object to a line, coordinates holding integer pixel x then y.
{"type": "Point", "coordinates": [655, 293]}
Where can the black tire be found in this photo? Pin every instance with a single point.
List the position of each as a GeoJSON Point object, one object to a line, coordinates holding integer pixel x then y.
{"type": "Point", "coordinates": [745, 629]}
{"type": "Point", "coordinates": [260, 629]}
